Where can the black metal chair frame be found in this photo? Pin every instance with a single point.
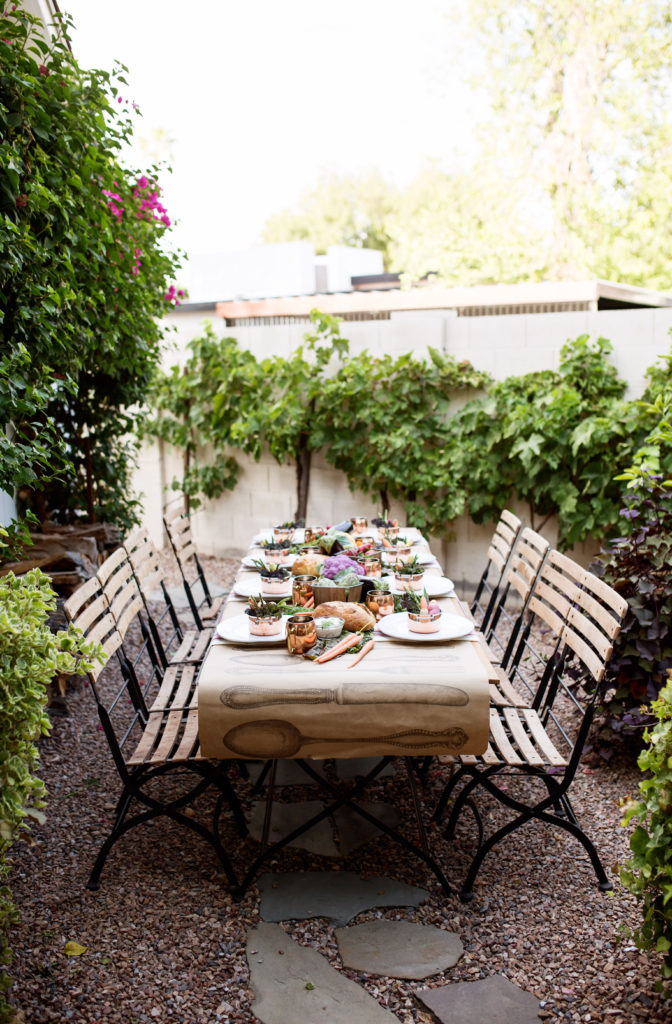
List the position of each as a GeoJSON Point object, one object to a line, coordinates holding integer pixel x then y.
{"type": "Point", "coordinates": [162, 645]}
{"type": "Point", "coordinates": [555, 808]}
{"type": "Point", "coordinates": [505, 536]}
{"type": "Point", "coordinates": [100, 626]}
{"type": "Point", "coordinates": [170, 525]}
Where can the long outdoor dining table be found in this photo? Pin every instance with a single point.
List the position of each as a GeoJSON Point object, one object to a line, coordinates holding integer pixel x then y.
{"type": "Point", "coordinates": [404, 699]}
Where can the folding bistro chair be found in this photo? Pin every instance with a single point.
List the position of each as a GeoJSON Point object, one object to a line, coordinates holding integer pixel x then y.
{"type": "Point", "coordinates": [149, 742]}
{"type": "Point", "coordinates": [525, 562]}
{"type": "Point", "coordinates": [204, 608]}
{"type": "Point", "coordinates": [163, 622]}
{"type": "Point", "coordinates": [535, 743]}
{"type": "Point", "coordinates": [499, 552]}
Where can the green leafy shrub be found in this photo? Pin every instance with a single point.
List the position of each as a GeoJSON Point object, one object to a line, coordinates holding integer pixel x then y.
{"type": "Point", "coordinates": [648, 873]}
{"type": "Point", "coordinates": [30, 655]}
{"type": "Point", "coordinates": [638, 565]}
{"type": "Point", "coordinates": [84, 276]}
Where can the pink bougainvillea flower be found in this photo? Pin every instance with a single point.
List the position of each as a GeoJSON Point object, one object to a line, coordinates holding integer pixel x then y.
{"type": "Point", "coordinates": [43, 70]}
{"type": "Point", "coordinates": [143, 182]}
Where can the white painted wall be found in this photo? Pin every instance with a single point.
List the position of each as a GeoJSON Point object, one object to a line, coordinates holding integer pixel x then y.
{"type": "Point", "coordinates": [502, 345]}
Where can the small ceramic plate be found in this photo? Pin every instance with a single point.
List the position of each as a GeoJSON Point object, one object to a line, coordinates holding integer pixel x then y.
{"type": "Point", "coordinates": [251, 587]}
{"type": "Point", "coordinates": [237, 631]}
{"type": "Point", "coordinates": [436, 586]}
{"type": "Point", "coordinates": [452, 628]}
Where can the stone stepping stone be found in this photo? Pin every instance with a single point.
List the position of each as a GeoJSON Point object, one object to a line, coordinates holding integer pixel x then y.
{"type": "Point", "coordinates": [336, 895]}
{"type": "Point", "coordinates": [495, 1000]}
{"type": "Point", "coordinates": [353, 830]}
{"type": "Point", "coordinates": [287, 773]}
{"type": "Point", "coordinates": [399, 949]}
{"type": "Point", "coordinates": [286, 817]}
{"type": "Point", "coordinates": [292, 983]}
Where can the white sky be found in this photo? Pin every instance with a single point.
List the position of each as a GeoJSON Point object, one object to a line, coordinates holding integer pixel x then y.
{"type": "Point", "coordinates": [261, 95]}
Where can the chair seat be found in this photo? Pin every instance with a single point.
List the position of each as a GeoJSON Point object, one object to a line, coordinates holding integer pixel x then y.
{"type": "Point", "coordinates": [193, 647]}
{"type": "Point", "coordinates": [171, 732]}
{"type": "Point", "coordinates": [503, 693]}
{"type": "Point", "coordinates": [210, 612]}
{"type": "Point", "coordinates": [518, 739]}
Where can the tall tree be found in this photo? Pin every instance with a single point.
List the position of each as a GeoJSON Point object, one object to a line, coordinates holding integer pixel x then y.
{"type": "Point", "coordinates": [580, 93]}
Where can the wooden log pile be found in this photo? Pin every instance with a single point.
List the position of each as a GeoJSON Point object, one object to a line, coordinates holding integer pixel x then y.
{"type": "Point", "coordinates": [68, 554]}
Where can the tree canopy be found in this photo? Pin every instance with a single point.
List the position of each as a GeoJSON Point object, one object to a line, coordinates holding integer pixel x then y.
{"type": "Point", "coordinates": [570, 177]}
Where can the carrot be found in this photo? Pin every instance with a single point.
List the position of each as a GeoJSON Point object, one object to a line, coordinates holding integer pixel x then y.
{"type": "Point", "coordinates": [365, 650]}
{"type": "Point", "coordinates": [340, 648]}
{"type": "Point", "coordinates": [386, 543]}
{"type": "Point", "coordinates": [310, 603]}
{"type": "Point", "coordinates": [423, 604]}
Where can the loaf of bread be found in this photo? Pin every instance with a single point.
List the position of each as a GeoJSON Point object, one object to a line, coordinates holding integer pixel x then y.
{"type": "Point", "coordinates": [355, 616]}
{"type": "Point", "coordinates": [308, 565]}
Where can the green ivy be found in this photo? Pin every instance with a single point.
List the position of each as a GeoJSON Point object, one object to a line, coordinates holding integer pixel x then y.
{"type": "Point", "coordinates": [30, 656]}
{"type": "Point", "coordinates": [385, 423]}
{"type": "Point", "coordinates": [648, 873]}
{"type": "Point", "coordinates": [551, 439]}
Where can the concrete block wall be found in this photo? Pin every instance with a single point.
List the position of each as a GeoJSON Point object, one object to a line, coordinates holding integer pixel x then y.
{"type": "Point", "coordinates": [502, 345]}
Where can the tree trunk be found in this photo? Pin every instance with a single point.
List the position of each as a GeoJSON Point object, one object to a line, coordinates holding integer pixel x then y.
{"type": "Point", "coordinates": [303, 460]}
{"type": "Point", "coordinates": [385, 500]}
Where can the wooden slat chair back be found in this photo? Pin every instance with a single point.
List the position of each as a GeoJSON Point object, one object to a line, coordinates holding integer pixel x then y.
{"type": "Point", "coordinates": [204, 608]}
{"type": "Point", "coordinates": [148, 742]}
{"type": "Point", "coordinates": [545, 742]}
{"type": "Point", "coordinates": [172, 642]}
{"type": "Point", "coordinates": [499, 553]}
{"type": "Point", "coordinates": [525, 562]}
{"type": "Point", "coordinates": [126, 606]}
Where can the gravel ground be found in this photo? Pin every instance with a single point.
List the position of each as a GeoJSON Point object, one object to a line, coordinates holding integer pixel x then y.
{"type": "Point", "coordinates": [164, 942]}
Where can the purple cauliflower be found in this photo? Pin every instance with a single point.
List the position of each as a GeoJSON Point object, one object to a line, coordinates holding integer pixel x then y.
{"type": "Point", "coordinates": [332, 566]}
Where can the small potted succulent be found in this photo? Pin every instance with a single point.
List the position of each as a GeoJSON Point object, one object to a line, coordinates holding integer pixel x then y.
{"type": "Point", "coordinates": [284, 532]}
{"type": "Point", "coordinates": [425, 616]}
{"type": "Point", "coordinates": [409, 575]}
{"type": "Point", "coordinates": [275, 551]}
{"type": "Point", "coordinates": [265, 617]}
{"type": "Point", "coordinates": [274, 579]}
{"type": "Point", "coordinates": [400, 550]}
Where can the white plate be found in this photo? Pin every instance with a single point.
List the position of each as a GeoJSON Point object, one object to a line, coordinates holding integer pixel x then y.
{"type": "Point", "coordinates": [436, 586]}
{"type": "Point", "coordinates": [237, 631]}
{"type": "Point", "coordinates": [452, 627]}
{"type": "Point", "coordinates": [248, 562]}
{"type": "Point", "coordinates": [251, 587]}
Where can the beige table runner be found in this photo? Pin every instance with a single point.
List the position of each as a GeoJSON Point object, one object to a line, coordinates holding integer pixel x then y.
{"type": "Point", "coordinates": [402, 699]}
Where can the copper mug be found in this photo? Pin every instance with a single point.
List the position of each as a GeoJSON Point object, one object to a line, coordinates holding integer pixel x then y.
{"type": "Point", "coordinates": [313, 533]}
{"type": "Point", "coordinates": [359, 524]}
{"type": "Point", "coordinates": [371, 566]}
{"type": "Point", "coordinates": [301, 633]}
{"type": "Point", "coordinates": [302, 589]}
{"type": "Point", "coordinates": [379, 602]}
